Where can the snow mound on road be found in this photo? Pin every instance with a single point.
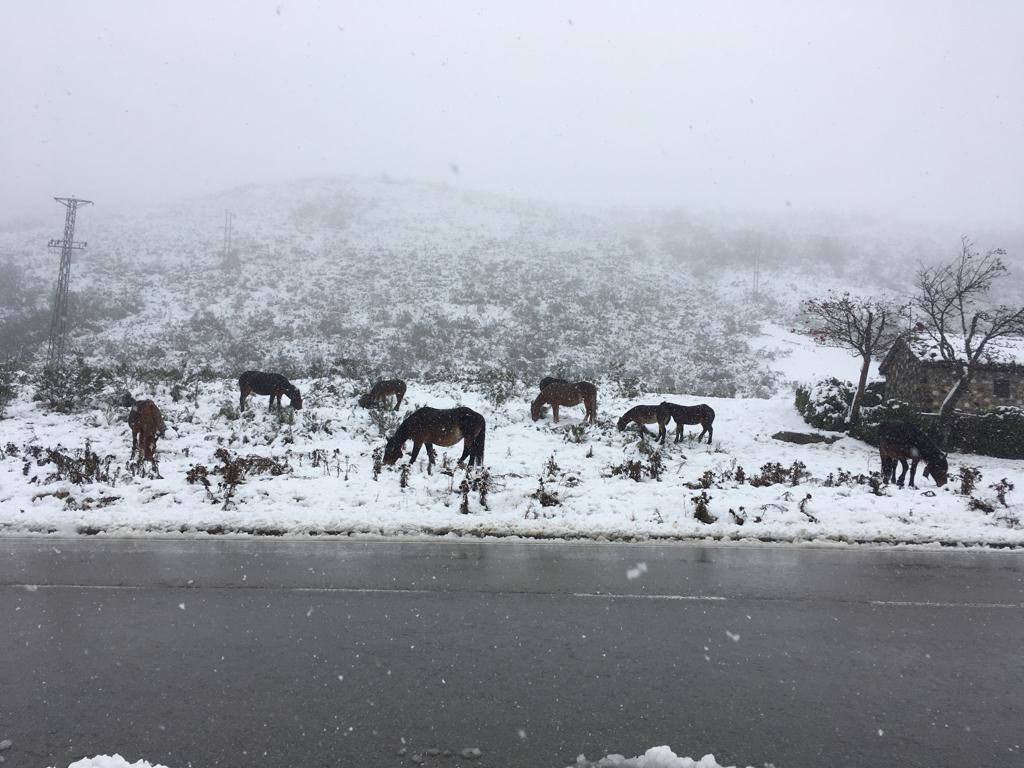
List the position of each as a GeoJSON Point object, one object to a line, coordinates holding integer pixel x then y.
{"type": "Point", "coordinates": [655, 757]}
{"type": "Point", "coordinates": [111, 761]}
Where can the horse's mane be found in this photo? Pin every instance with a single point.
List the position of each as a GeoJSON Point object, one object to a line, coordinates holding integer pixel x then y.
{"type": "Point", "coordinates": [401, 434]}
{"type": "Point", "coordinates": [930, 450]}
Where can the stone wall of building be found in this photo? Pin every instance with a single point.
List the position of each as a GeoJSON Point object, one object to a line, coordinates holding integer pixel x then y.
{"type": "Point", "coordinates": [936, 381]}
{"type": "Point", "coordinates": [925, 385]}
{"type": "Point", "coordinates": [903, 378]}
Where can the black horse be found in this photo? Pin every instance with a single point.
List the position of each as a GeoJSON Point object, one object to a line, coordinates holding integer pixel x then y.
{"type": "Point", "coordinates": [689, 414]}
{"type": "Point", "coordinates": [901, 440]}
{"type": "Point", "coordinates": [273, 384]}
{"type": "Point", "coordinates": [436, 426]}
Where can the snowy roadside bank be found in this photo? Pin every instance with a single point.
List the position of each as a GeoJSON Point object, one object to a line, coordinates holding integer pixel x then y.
{"type": "Point", "coordinates": [655, 757]}
{"type": "Point", "coordinates": [569, 481]}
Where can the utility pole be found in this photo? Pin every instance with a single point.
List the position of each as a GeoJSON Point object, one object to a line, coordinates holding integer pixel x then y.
{"type": "Point", "coordinates": [757, 268]}
{"type": "Point", "coordinates": [58, 325]}
{"type": "Point", "coordinates": [229, 259]}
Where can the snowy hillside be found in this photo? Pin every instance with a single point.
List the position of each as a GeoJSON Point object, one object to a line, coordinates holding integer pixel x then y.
{"type": "Point", "coordinates": [426, 281]}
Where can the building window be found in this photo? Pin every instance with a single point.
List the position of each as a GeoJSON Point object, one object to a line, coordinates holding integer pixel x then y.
{"type": "Point", "coordinates": [1001, 388]}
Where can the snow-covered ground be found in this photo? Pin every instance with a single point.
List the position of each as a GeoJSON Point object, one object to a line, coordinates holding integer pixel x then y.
{"type": "Point", "coordinates": [331, 488]}
{"type": "Point", "coordinates": [655, 757]}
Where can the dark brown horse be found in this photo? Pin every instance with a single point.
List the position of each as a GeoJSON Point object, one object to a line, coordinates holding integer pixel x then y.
{"type": "Point", "coordinates": [644, 414]}
{"type": "Point", "coordinates": [562, 393]}
{"type": "Point", "coordinates": [273, 384]}
{"type": "Point", "coordinates": [436, 426]}
{"type": "Point", "coordinates": [689, 414]}
{"type": "Point", "coordinates": [901, 440]}
{"type": "Point", "coordinates": [381, 391]}
{"type": "Point", "coordinates": [551, 380]}
{"type": "Point", "coordinates": [146, 424]}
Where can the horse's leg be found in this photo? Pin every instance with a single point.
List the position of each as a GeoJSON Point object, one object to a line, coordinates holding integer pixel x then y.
{"type": "Point", "coordinates": [554, 411]}
{"type": "Point", "coordinates": [398, 401]}
{"type": "Point", "coordinates": [241, 399]}
{"type": "Point", "coordinates": [913, 471]}
{"type": "Point", "coordinates": [679, 431]}
{"type": "Point", "coordinates": [415, 451]}
{"type": "Point", "coordinates": [711, 431]}
{"type": "Point", "coordinates": [903, 474]}
{"type": "Point", "coordinates": [467, 448]}
{"type": "Point", "coordinates": [431, 456]}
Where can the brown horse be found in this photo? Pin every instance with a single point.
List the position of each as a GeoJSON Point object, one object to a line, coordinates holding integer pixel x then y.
{"type": "Point", "coordinates": [273, 384]}
{"type": "Point", "coordinates": [381, 391]}
{"type": "Point", "coordinates": [562, 393]}
{"type": "Point", "coordinates": [689, 414]}
{"type": "Point", "coordinates": [644, 414]}
{"type": "Point", "coordinates": [146, 424]}
{"type": "Point", "coordinates": [551, 380]}
{"type": "Point", "coordinates": [436, 426]}
{"type": "Point", "coordinates": [901, 440]}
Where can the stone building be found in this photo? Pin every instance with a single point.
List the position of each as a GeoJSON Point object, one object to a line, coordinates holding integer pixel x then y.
{"type": "Point", "coordinates": [916, 374]}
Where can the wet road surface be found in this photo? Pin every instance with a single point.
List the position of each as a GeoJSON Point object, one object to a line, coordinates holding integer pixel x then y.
{"type": "Point", "coordinates": [238, 652]}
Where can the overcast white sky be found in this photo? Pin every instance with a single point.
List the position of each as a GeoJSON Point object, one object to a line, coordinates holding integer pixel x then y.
{"type": "Point", "coordinates": [914, 109]}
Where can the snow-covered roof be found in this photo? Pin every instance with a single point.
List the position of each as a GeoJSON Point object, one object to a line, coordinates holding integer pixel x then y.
{"type": "Point", "coordinates": [1004, 351]}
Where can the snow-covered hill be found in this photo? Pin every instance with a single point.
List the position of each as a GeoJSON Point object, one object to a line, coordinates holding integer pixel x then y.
{"type": "Point", "coordinates": [427, 281]}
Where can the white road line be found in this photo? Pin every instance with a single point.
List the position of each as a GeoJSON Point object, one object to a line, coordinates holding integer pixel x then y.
{"type": "Point", "coordinates": [584, 595]}
{"type": "Point", "coordinates": [648, 597]}
{"type": "Point", "coordinates": [358, 590]}
{"type": "Point", "coordinates": [930, 604]}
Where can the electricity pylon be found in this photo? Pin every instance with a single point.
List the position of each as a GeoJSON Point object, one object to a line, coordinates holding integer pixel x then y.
{"type": "Point", "coordinates": [58, 326]}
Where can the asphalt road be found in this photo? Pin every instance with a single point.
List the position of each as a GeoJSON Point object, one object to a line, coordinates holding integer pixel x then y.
{"type": "Point", "coordinates": [241, 652]}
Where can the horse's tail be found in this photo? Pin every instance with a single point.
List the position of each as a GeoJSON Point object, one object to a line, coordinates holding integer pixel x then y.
{"type": "Point", "coordinates": [477, 454]}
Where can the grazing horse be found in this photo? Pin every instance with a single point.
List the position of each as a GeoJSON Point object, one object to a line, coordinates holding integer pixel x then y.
{"type": "Point", "coordinates": [689, 414]}
{"type": "Point", "coordinates": [551, 380]}
{"type": "Point", "coordinates": [644, 414]}
{"type": "Point", "coordinates": [382, 390]}
{"type": "Point", "coordinates": [439, 426]}
{"type": "Point", "coordinates": [901, 440]}
{"type": "Point", "coordinates": [146, 424]}
{"type": "Point", "coordinates": [562, 393]}
{"type": "Point", "coordinates": [273, 384]}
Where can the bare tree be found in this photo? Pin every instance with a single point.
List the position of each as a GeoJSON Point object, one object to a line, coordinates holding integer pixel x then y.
{"type": "Point", "coordinates": [953, 314]}
{"type": "Point", "coordinates": [866, 327]}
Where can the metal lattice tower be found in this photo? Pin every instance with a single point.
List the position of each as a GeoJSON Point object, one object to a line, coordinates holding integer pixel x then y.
{"type": "Point", "coordinates": [230, 259]}
{"type": "Point", "coordinates": [58, 326]}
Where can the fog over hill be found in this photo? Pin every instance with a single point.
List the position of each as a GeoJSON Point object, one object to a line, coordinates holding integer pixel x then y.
{"type": "Point", "coordinates": [424, 280]}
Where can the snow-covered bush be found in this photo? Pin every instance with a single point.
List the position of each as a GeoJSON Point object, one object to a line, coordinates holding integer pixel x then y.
{"type": "Point", "coordinates": [824, 405]}
{"type": "Point", "coordinates": [1000, 432]}
{"type": "Point", "coordinates": [71, 387]}
{"type": "Point", "coordinates": [8, 376]}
